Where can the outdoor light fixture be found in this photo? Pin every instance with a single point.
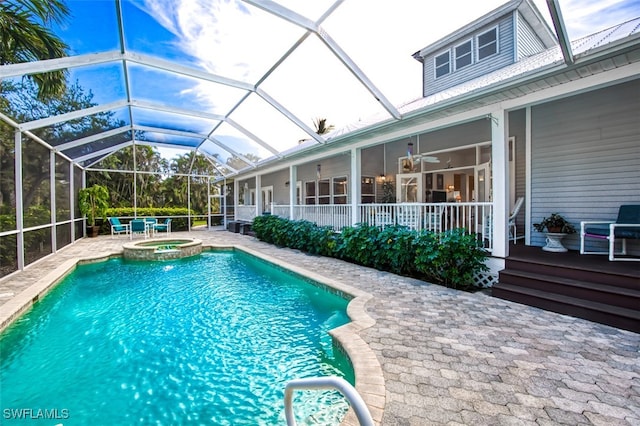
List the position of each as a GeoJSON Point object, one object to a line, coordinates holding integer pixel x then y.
{"type": "Point", "coordinates": [318, 170]}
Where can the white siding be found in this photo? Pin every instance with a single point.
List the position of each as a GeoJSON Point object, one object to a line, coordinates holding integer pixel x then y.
{"type": "Point", "coordinates": [586, 156]}
{"type": "Point", "coordinates": [528, 43]}
{"type": "Point", "coordinates": [277, 180]}
{"type": "Point", "coordinates": [503, 58]}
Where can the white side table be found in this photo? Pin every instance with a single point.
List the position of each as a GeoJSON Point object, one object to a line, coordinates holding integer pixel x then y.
{"type": "Point", "coordinates": [554, 242]}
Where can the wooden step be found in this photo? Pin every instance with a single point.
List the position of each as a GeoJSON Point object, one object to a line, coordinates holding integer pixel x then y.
{"type": "Point", "coordinates": [617, 278]}
{"type": "Point", "coordinates": [627, 319]}
{"type": "Point", "coordinates": [613, 295]}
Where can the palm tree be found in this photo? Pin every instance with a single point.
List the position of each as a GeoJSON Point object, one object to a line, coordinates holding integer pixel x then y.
{"type": "Point", "coordinates": [24, 37]}
{"type": "Point", "coordinates": [321, 126]}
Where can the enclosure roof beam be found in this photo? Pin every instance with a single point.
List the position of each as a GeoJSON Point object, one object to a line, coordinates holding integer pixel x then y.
{"type": "Point", "coordinates": [49, 121]}
{"type": "Point", "coordinates": [299, 20]}
{"type": "Point", "coordinates": [188, 71]}
{"type": "Point", "coordinates": [253, 137]}
{"type": "Point", "coordinates": [187, 134]}
{"type": "Point", "coordinates": [292, 117]}
{"type": "Point", "coordinates": [213, 160]}
{"type": "Point", "coordinates": [232, 151]}
{"type": "Point", "coordinates": [92, 138]}
{"type": "Point", "coordinates": [48, 65]}
{"type": "Point", "coordinates": [561, 31]}
{"type": "Point", "coordinates": [103, 151]}
{"type": "Point", "coordinates": [182, 111]}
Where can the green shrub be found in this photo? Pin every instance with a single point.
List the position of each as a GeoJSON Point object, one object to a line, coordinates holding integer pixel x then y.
{"type": "Point", "coordinates": [450, 258]}
{"type": "Point", "coordinates": [269, 228]}
{"type": "Point", "coordinates": [359, 244]}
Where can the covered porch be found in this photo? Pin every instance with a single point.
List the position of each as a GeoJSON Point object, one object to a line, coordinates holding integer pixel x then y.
{"type": "Point", "coordinates": [433, 179]}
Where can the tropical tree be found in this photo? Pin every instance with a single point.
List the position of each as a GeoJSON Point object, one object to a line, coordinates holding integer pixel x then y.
{"type": "Point", "coordinates": [149, 186]}
{"type": "Point", "coordinates": [25, 36]}
{"type": "Point", "coordinates": [21, 102]}
{"type": "Point", "coordinates": [321, 126]}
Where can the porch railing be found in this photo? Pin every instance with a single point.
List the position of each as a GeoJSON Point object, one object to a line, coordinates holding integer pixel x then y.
{"type": "Point", "coordinates": [246, 213]}
{"type": "Point", "coordinates": [335, 215]}
{"type": "Point", "coordinates": [475, 218]}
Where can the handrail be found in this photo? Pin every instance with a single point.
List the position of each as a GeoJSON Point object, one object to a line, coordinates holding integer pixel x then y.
{"type": "Point", "coordinates": [329, 382]}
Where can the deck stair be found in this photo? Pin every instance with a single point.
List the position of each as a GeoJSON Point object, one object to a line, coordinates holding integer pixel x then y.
{"type": "Point", "coordinates": [609, 296]}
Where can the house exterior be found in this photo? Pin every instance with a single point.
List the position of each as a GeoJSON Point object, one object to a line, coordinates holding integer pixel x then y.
{"type": "Point", "coordinates": [510, 33]}
{"type": "Point", "coordinates": [508, 112]}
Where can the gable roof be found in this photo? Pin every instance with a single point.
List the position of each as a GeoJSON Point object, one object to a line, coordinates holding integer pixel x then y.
{"type": "Point", "coordinates": [525, 7]}
{"type": "Point", "coordinates": [531, 65]}
{"type": "Point", "coordinates": [526, 76]}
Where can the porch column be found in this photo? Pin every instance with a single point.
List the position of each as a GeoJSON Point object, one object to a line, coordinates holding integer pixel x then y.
{"type": "Point", "coordinates": [72, 202]}
{"type": "Point", "coordinates": [236, 198]}
{"type": "Point", "coordinates": [52, 201]}
{"type": "Point", "coordinates": [258, 195]}
{"type": "Point", "coordinates": [293, 191]}
{"type": "Point", "coordinates": [500, 185]}
{"type": "Point", "coordinates": [356, 177]}
{"type": "Point", "coordinates": [19, 207]}
{"type": "Point", "coordinates": [208, 202]}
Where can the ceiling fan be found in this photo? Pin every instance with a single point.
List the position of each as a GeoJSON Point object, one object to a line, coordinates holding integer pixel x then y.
{"type": "Point", "coordinates": [426, 158]}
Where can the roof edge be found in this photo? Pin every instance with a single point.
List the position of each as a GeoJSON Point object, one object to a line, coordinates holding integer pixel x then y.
{"type": "Point", "coordinates": [525, 7]}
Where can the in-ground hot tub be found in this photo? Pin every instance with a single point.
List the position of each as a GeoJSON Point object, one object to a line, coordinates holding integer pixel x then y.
{"type": "Point", "coordinates": [162, 249]}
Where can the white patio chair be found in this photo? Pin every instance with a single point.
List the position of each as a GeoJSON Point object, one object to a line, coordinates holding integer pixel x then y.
{"type": "Point", "coordinates": [513, 234]}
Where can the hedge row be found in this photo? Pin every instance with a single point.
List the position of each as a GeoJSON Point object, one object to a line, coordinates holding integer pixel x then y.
{"type": "Point", "coordinates": [450, 258]}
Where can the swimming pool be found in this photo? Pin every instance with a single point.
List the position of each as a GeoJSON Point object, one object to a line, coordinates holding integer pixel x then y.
{"type": "Point", "coordinates": [212, 339]}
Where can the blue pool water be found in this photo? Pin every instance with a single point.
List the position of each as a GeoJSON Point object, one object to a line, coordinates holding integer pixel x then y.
{"type": "Point", "coordinates": [211, 339]}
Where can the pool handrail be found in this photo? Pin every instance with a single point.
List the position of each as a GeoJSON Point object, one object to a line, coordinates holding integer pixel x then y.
{"type": "Point", "coordinates": [328, 382]}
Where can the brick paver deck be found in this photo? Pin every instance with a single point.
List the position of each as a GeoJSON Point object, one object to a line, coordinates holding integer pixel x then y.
{"type": "Point", "coordinates": [450, 357]}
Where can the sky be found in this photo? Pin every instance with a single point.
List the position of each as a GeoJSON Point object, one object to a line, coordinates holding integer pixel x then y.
{"type": "Point", "coordinates": [239, 41]}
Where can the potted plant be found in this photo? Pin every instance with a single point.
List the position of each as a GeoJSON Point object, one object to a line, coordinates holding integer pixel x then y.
{"type": "Point", "coordinates": [556, 227]}
{"type": "Point", "coordinates": [555, 224]}
{"type": "Point", "coordinates": [93, 202]}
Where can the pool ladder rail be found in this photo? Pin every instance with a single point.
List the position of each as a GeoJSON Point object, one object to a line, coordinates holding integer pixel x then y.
{"type": "Point", "coordinates": [329, 382]}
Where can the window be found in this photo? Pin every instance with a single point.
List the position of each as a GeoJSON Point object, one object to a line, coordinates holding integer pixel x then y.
{"type": "Point", "coordinates": [310, 192]}
{"type": "Point", "coordinates": [324, 194]}
{"type": "Point", "coordinates": [340, 190]}
{"type": "Point", "coordinates": [463, 54]}
{"type": "Point", "coordinates": [487, 43]}
{"type": "Point", "coordinates": [368, 189]}
{"type": "Point", "coordinates": [443, 64]}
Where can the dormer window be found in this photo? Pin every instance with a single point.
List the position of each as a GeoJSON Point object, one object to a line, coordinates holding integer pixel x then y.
{"type": "Point", "coordinates": [487, 43]}
{"type": "Point", "coordinates": [443, 64]}
{"type": "Point", "coordinates": [463, 54]}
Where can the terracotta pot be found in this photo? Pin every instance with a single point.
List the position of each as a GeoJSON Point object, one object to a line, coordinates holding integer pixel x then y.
{"type": "Point", "coordinates": [555, 229]}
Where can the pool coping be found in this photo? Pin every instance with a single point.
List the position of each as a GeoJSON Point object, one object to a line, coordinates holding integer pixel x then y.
{"type": "Point", "coordinates": [369, 377]}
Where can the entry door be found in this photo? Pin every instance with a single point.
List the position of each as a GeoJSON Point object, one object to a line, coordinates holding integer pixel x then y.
{"type": "Point", "coordinates": [267, 198]}
{"type": "Point", "coordinates": [409, 188]}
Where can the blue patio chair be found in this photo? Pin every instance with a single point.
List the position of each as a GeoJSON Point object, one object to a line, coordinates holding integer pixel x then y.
{"type": "Point", "coordinates": [138, 226]}
{"type": "Point", "coordinates": [151, 223]}
{"type": "Point", "coordinates": [118, 228]}
{"type": "Point", "coordinates": [163, 227]}
{"type": "Point", "coordinates": [626, 226]}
